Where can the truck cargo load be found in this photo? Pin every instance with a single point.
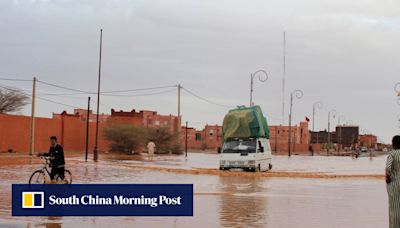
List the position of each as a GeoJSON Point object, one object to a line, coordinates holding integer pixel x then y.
{"type": "Point", "coordinates": [245, 122]}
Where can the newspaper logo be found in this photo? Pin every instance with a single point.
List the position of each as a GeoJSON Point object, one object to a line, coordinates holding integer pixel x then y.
{"type": "Point", "coordinates": [32, 199]}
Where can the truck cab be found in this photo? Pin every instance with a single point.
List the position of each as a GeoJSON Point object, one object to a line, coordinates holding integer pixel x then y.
{"type": "Point", "coordinates": [253, 154]}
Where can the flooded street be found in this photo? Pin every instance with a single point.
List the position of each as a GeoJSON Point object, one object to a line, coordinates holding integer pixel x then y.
{"type": "Point", "coordinates": [336, 192]}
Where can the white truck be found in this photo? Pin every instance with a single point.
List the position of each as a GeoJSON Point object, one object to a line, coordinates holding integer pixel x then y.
{"type": "Point", "coordinates": [246, 140]}
{"type": "Point", "coordinates": [253, 154]}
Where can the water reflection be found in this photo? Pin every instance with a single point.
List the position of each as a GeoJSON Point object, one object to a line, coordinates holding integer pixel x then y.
{"type": "Point", "coordinates": [244, 205]}
{"type": "Point", "coordinates": [227, 200]}
{"type": "Point", "coordinates": [50, 223]}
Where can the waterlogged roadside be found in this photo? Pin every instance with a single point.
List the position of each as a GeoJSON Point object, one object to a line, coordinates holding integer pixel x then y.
{"type": "Point", "coordinates": [337, 192]}
{"type": "Point", "coordinates": [332, 165]}
{"type": "Point", "coordinates": [200, 171]}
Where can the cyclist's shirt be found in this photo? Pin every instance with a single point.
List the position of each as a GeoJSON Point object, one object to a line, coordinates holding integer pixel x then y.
{"type": "Point", "coordinates": [57, 152]}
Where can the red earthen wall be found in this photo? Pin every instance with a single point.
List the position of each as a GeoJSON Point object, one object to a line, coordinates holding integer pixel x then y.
{"type": "Point", "coordinates": [70, 131]}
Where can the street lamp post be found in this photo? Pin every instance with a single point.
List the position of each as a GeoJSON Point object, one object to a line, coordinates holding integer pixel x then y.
{"type": "Point", "coordinates": [340, 134]}
{"type": "Point", "coordinates": [319, 105]}
{"type": "Point", "coordinates": [397, 88]}
{"type": "Point", "coordinates": [333, 111]}
{"type": "Point", "coordinates": [252, 82]}
{"type": "Point", "coordinates": [299, 94]}
{"type": "Point", "coordinates": [95, 151]}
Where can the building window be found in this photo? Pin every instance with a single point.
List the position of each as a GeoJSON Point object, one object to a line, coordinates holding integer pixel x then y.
{"type": "Point", "coordinates": [165, 122]}
{"type": "Point", "coordinates": [198, 137]}
{"type": "Point", "coordinates": [157, 122]}
{"type": "Point", "coordinates": [211, 132]}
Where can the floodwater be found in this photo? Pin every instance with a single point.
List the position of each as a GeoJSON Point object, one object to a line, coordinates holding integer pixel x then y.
{"type": "Point", "coordinates": [314, 192]}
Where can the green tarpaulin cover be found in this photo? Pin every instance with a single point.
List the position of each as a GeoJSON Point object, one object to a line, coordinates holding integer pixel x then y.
{"type": "Point", "coordinates": [244, 122]}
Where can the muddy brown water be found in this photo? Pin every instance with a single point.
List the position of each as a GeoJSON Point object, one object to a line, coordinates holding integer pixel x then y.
{"type": "Point", "coordinates": [303, 192]}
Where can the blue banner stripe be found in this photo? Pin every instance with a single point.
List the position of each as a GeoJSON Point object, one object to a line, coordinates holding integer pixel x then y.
{"type": "Point", "coordinates": [104, 200]}
{"type": "Point", "coordinates": [37, 200]}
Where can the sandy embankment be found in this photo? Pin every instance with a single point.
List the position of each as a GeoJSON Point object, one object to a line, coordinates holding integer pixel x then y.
{"type": "Point", "coordinates": [203, 171]}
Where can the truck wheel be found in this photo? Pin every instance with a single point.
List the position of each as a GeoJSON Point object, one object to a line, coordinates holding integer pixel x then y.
{"type": "Point", "coordinates": [270, 166]}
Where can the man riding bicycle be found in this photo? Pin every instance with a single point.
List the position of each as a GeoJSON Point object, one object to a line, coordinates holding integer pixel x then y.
{"type": "Point", "coordinates": [56, 156]}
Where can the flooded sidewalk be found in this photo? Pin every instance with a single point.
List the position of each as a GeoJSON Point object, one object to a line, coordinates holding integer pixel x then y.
{"type": "Point", "coordinates": [223, 200]}
{"type": "Point", "coordinates": [283, 166]}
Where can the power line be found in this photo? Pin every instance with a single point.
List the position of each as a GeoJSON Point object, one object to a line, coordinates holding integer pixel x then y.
{"type": "Point", "coordinates": [61, 94]}
{"type": "Point", "coordinates": [111, 95]}
{"type": "Point", "coordinates": [139, 95]}
{"type": "Point", "coordinates": [11, 89]}
{"type": "Point", "coordinates": [206, 100]}
{"type": "Point", "coordinates": [16, 79]}
{"type": "Point", "coordinates": [63, 87]}
{"type": "Point", "coordinates": [104, 92]}
{"type": "Point", "coordinates": [56, 102]}
{"type": "Point", "coordinates": [40, 98]}
{"type": "Point", "coordinates": [132, 90]}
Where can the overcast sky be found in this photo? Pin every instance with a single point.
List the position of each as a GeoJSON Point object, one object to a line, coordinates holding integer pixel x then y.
{"type": "Point", "coordinates": [343, 53]}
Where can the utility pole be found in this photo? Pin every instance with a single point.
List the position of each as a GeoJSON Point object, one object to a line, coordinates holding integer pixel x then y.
{"type": "Point", "coordinates": [32, 144]}
{"type": "Point", "coordinates": [283, 77]}
{"type": "Point", "coordinates": [186, 138]}
{"type": "Point", "coordinates": [87, 129]}
{"type": "Point", "coordinates": [95, 151]}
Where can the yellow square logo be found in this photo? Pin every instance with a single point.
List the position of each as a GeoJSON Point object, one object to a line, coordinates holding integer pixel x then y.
{"type": "Point", "coordinates": [32, 199]}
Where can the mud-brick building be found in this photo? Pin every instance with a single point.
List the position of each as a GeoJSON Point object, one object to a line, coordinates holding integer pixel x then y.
{"type": "Point", "coordinates": [369, 141]}
{"type": "Point", "coordinates": [145, 118]}
{"type": "Point", "coordinates": [70, 129]}
{"type": "Point", "coordinates": [347, 136]}
{"type": "Point", "coordinates": [279, 138]}
{"type": "Point", "coordinates": [209, 138]}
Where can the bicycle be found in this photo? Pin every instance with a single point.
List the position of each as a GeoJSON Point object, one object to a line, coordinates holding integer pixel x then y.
{"type": "Point", "coordinates": [39, 176]}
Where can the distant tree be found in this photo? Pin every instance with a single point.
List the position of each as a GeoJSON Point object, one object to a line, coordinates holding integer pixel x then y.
{"type": "Point", "coordinates": [127, 137]}
{"type": "Point", "coordinates": [124, 137]}
{"type": "Point", "coordinates": [165, 140]}
{"type": "Point", "coordinates": [12, 100]}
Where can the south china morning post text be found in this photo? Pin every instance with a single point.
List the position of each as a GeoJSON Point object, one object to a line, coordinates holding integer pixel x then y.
{"type": "Point", "coordinates": [116, 200]}
{"type": "Point", "coordinates": [102, 200]}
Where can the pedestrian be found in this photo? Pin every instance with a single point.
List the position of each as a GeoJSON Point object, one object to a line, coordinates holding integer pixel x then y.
{"type": "Point", "coordinates": [56, 156]}
{"type": "Point", "coordinates": [311, 149]}
{"type": "Point", "coordinates": [151, 147]}
{"type": "Point", "coordinates": [393, 182]}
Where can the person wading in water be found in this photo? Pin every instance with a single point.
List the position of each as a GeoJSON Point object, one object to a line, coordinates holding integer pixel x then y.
{"type": "Point", "coordinates": [151, 147]}
{"type": "Point", "coordinates": [393, 183]}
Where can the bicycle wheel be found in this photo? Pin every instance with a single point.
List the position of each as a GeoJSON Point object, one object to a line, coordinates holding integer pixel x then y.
{"type": "Point", "coordinates": [67, 177]}
{"type": "Point", "coordinates": [37, 177]}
